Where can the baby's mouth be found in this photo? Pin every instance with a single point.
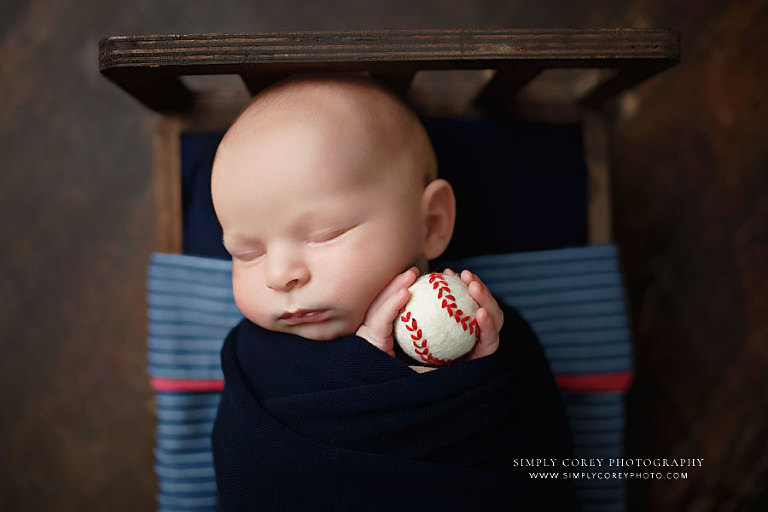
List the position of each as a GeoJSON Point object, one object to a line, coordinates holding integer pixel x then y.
{"type": "Point", "coordinates": [304, 316]}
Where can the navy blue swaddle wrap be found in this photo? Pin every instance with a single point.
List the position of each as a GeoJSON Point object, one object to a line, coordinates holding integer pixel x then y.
{"type": "Point", "coordinates": [339, 425]}
{"type": "Point", "coordinates": [572, 296]}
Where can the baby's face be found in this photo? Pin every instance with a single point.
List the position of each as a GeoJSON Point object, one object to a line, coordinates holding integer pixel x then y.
{"type": "Point", "coordinates": [314, 237]}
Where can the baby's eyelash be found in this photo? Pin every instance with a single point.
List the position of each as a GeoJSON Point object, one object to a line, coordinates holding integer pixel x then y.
{"type": "Point", "coordinates": [327, 236]}
{"type": "Point", "coordinates": [248, 256]}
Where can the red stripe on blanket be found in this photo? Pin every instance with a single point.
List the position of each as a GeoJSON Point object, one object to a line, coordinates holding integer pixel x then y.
{"type": "Point", "coordinates": [168, 384]}
{"type": "Point", "coordinates": [605, 382]}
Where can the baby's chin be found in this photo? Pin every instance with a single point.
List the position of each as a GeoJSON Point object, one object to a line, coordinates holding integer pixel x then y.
{"type": "Point", "coordinates": [321, 331]}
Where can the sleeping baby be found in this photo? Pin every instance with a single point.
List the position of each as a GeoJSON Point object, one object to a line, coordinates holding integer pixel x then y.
{"type": "Point", "coordinates": [327, 193]}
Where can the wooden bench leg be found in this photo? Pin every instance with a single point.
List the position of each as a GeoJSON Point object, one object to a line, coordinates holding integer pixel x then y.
{"type": "Point", "coordinates": [595, 135]}
{"type": "Point", "coordinates": [167, 156]}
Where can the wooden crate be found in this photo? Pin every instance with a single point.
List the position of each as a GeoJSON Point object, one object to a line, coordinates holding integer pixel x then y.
{"type": "Point", "coordinates": [199, 82]}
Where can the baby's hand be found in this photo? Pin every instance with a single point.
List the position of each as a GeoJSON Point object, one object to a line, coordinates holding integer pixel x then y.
{"type": "Point", "coordinates": [489, 317]}
{"type": "Point", "coordinates": [377, 327]}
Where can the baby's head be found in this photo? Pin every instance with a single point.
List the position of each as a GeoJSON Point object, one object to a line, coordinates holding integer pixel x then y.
{"type": "Point", "coordinates": [326, 189]}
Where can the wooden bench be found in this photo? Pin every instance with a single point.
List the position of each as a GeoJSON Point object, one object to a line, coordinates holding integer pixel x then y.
{"type": "Point", "coordinates": [199, 82]}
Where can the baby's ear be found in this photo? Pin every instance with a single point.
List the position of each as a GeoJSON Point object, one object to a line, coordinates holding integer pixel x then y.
{"type": "Point", "coordinates": [438, 210]}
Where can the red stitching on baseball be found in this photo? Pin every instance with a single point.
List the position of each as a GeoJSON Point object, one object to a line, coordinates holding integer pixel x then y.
{"type": "Point", "coordinates": [419, 342]}
{"type": "Point", "coordinates": [439, 283]}
{"type": "Point", "coordinates": [473, 325]}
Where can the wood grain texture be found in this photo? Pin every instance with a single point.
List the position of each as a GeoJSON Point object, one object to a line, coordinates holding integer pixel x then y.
{"type": "Point", "coordinates": [389, 45]}
{"type": "Point", "coordinates": [384, 52]}
{"type": "Point", "coordinates": [167, 149]}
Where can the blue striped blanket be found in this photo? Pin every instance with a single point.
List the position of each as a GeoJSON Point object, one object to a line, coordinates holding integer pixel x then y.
{"type": "Point", "coordinates": [573, 299]}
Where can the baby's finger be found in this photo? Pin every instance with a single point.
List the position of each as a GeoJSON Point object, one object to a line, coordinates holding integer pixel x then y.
{"type": "Point", "coordinates": [468, 277]}
{"type": "Point", "coordinates": [385, 316]}
{"type": "Point", "coordinates": [449, 272]}
{"type": "Point", "coordinates": [489, 335]}
{"type": "Point", "coordinates": [484, 299]}
{"type": "Point", "coordinates": [400, 282]}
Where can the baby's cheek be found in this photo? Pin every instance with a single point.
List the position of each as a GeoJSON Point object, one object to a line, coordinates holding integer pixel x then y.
{"type": "Point", "coordinates": [359, 271]}
{"type": "Point", "coordinates": [247, 302]}
{"type": "Point", "coordinates": [353, 294]}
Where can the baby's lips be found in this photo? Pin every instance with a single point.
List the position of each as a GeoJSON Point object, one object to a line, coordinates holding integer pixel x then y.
{"type": "Point", "coordinates": [304, 316]}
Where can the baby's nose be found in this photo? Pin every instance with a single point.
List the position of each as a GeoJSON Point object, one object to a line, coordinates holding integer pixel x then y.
{"type": "Point", "coordinates": [285, 273]}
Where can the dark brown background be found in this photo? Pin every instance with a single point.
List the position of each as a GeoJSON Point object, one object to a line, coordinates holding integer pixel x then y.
{"type": "Point", "coordinates": [690, 158]}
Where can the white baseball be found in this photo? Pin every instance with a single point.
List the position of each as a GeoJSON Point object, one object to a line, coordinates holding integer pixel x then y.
{"type": "Point", "coordinates": [438, 324]}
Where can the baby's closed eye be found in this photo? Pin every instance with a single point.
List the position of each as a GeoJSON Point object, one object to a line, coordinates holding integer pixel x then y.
{"type": "Point", "coordinates": [247, 256]}
{"type": "Point", "coordinates": [327, 235]}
